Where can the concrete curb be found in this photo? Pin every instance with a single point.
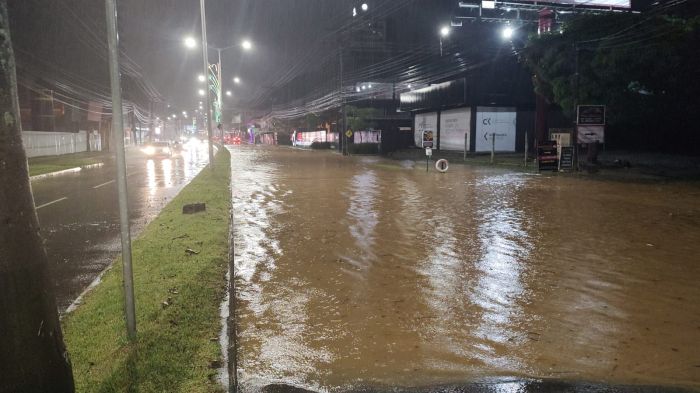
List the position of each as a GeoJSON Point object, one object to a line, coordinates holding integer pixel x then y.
{"type": "Point", "coordinates": [65, 171]}
{"type": "Point", "coordinates": [57, 173]}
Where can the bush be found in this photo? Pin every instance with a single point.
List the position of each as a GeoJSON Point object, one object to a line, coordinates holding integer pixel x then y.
{"type": "Point", "coordinates": [363, 148]}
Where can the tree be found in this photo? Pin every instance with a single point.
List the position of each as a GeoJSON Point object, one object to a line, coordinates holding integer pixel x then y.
{"type": "Point", "coordinates": [643, 67]}
{"type": "Point", "coordinates": [33, 357]}
{"type": "Point", "coordinates": [361, 118]}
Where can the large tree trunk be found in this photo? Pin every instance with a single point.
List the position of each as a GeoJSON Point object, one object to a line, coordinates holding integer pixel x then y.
{"type": "Point", "coordinates": [33, 357]}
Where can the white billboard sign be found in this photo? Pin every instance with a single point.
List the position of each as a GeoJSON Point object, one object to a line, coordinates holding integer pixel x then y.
{"type": "Point", "coordinates": [424, 122]}
{"type": "Point", "coordinates": [454, 128]}
{"type": "Point", "coordinates": [498, 123]}
{"type": "Point", "coordinates": [591, 134]}
{"type": "Point", "coordinates": [594, 3]}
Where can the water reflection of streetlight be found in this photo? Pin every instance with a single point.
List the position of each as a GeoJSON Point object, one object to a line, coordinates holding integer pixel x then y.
{"type": "Point", "coordinates": [167, 173]}
{"type": "Point", "coordinates": [151, 176]}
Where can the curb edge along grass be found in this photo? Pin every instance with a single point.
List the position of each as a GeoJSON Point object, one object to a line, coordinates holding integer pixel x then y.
{"type": "Point", "coordinates": [178, 295]}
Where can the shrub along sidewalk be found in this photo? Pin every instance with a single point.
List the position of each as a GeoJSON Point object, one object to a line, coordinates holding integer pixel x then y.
{"type": "Point", "coordinates": [178, 293]}
{"type": "Point", "coordinates": [43, 165]}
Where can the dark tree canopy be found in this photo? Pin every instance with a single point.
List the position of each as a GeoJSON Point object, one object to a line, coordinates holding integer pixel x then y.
{"type": "Point", "coordinates": [644, 67]}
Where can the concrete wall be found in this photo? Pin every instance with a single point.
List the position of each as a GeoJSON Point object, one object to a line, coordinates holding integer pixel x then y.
{"type": "Point", "coordinates": [44, 143]}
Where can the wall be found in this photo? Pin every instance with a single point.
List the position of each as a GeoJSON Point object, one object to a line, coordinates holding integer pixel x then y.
{"type": "Point", "coordinates": [45, 143]}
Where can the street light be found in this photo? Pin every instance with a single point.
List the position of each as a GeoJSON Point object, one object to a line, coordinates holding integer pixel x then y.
{"type": "Point", "coordinates": [507, 32]}
{"type": "Point", "coordinates": [215, 80]}
{"type": "Point", "coordinates": [201, 92]}
{"type": "Point", "coordinates": [236, 80]}
{"type": "Point", "coordinates": [228, 93]}
{"type": "Point", "coordinates": [364, 7]}
{"type": "Point", "coordinates": [444, 31]}
{"type": "Point", "coordinates": [201, 78]}
{"type": "Point", "coordinates": [190, 42]}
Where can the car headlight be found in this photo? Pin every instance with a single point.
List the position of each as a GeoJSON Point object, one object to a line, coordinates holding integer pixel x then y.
{"type": "Point", "coordinates": [149, 150]}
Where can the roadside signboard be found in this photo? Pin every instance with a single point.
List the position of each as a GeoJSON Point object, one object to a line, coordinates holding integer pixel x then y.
{"type": "Point", "coordinates": [566, 158]}
{"type": "Point", "coordinates": [590, 134]}
{"type": "Point", "coordinates": [498, 122]}
{"type": "Point", "coordinates": [348, 133]}
{"type": "Point", "coordinates": [547, 156]}
{"type": "Point", "coordinates": [428, 138]}
{"type": "Point", "coordinates": [590, 115]}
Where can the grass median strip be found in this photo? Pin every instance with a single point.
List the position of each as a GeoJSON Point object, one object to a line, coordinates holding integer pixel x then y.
{"type": "Point", "coordinates": [43, 165]}
{"type": "Point", "coordinates": [178, 293]}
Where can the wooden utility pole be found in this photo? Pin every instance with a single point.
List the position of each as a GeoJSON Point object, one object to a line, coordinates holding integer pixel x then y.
{"type": "Point", "coordinates": [33, 357]}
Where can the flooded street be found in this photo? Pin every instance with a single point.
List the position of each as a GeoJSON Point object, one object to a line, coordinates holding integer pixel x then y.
{"type": "Point", "coordinates": [363, 271]}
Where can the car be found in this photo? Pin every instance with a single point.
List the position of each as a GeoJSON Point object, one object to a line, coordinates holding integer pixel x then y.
{"type": "Point", "coordinates": [158, 149]}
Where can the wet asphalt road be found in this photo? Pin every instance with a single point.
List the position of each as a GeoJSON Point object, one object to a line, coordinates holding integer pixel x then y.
{"type": "Point", "coordinates": [79, 218]}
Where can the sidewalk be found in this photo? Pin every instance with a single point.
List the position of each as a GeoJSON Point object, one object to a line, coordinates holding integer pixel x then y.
{"type": "Point", "coordinates": [612, 165]}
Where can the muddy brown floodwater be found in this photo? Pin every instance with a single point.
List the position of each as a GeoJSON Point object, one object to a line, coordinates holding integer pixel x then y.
{"type": "Point", "coordinates": [363, 271]}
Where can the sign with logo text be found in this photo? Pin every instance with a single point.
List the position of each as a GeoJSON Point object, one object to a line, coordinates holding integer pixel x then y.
{"type": "Point", "coordinates": [590, 115]}
{"type": "Point", "coordinates": [428, 138]}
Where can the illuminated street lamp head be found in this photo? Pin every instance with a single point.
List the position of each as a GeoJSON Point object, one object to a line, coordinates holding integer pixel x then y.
{"type": "Point", "coordinates": [364, 7]}
{"type": "Point", "coordinates": [247, 45]}
{"type": "Point", "coordinates": [201, 78]}
{"type": "Point", "coordinates": [507, 32]}
{"type": "Point", "coordinates": [174, 116]}
{"type": "Point", "coordinates": [200, 92]}
{"type": "Point", "coordinates": [190, 42]}
{"type": "Point", "coordinates": [444, 31]}
{"type": "Point", "coordinates": [228, 93]}
{"type": "Point", "coordinates": [236, 80]}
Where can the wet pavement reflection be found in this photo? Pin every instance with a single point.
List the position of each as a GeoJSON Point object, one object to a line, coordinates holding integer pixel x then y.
{"type": "Point", "coordinates": [365, 272]}
{"type": "Point", "coordinates": [81, 228]}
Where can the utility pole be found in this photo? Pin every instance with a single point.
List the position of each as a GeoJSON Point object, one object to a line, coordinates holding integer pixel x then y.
{"type": "Point", "coordinates": [219, 95]}
{"type": "Point", "coordinates": [205, 65]}
{"type": "Point", "coordinates": [118, 127]}
{"type": "Point", "coordinates": [151, 128]}
{"type": "Point", "coordinates": [342, 141]}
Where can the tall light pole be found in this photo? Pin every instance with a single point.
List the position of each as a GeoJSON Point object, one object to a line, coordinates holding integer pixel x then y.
{"type": "Point", "coordinates": [217, 85]}
{"type": "Point", "coordinates": [444, 32]}
{"type": "Point", "coordinates": [205, 67]}
{"type": "Point", "coordinates": [118, 127]}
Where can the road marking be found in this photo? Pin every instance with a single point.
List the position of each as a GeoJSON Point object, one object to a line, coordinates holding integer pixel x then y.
{"type": "Point", "coordinates": [51, 203]}
{"type": "Point", "coordinates": [104, 184]}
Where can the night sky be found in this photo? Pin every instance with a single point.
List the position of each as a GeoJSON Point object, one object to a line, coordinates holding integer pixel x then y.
{"type": "Point", "coordinates": [64, 36]}
{"type": "Point", "coordinates": [67, 38]}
